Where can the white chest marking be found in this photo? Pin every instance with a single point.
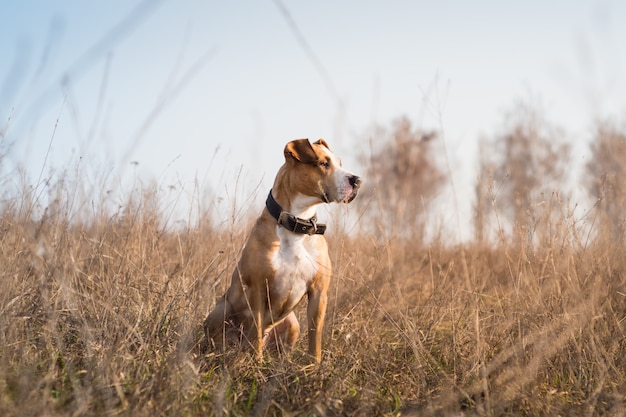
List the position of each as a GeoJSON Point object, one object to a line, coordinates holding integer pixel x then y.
{"type": "Point", "coordinates": [296, 265]}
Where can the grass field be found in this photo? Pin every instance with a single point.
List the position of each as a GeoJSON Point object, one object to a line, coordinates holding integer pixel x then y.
{"type": "Point", "coordinates": [101, 312]}
{"type": "Point", "coordinates": [102, 317]}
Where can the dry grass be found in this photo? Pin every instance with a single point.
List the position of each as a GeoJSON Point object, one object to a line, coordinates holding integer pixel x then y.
{"type": "Point", "coordinates": [102, 317]}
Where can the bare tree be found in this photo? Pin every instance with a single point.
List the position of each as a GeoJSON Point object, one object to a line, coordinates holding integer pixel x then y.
{"type": "Point", "coordinates": [522, 168]}
{"type": "Point", "coordinates": [405, 176]}
{"type": "Point", "coordinates": [607, 180]}
{"type": "Point", "coordinates": [484, 192]}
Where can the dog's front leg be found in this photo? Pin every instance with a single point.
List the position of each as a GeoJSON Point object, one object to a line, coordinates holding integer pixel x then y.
{"type": "Point", "coordinates": [316, 311]}
{"type": "Point", "coordinates": [255, 331]}
{"type": "Point", "coordinates": [259, 334]}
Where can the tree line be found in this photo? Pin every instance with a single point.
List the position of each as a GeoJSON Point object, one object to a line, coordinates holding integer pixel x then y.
{"type": "Point", "coordinates": [523, 186]}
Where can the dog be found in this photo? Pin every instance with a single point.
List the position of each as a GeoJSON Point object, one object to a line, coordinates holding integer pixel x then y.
{"type": "Point", "coordinates": [286, 255]}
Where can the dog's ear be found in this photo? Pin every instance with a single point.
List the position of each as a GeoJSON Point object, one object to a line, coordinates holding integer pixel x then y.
{"type": "Point", "coordinates": [322, 142]}
{"type": "Point", "coordinates": [301, 150]}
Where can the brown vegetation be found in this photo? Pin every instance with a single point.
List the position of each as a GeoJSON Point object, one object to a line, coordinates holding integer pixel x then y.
{"type": "Point", "coordinates": [101, 312]}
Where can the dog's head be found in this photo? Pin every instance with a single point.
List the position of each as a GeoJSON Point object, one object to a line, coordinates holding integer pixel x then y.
{"type": "Point", "coordinates": [319, 172]}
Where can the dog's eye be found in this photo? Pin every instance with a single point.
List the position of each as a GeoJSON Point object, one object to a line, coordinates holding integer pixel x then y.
{"type": "Point", "coordinates": [325, 164]}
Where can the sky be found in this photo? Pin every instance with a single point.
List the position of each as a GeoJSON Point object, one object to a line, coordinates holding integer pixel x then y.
{"type": "Point", "coordinates": [206, 93]}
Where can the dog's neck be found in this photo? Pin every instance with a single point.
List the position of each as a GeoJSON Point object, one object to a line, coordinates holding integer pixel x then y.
{"type": "Point", "coordinates": [304, 207]}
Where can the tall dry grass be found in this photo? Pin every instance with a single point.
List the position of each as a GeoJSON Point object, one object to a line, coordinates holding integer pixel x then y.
{"type": "Point", "coordinates": [100, 314]}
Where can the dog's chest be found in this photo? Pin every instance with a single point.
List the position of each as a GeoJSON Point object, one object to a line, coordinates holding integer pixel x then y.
{"type": "Point", "coordinates": [296, 265]}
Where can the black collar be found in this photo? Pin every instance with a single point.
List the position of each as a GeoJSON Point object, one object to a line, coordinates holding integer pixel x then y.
{"type": "Point", "coordinates": [291, 222]}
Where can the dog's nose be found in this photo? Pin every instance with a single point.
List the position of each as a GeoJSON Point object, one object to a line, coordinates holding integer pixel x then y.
{"type": "Point", "coordinates": [354, 181]}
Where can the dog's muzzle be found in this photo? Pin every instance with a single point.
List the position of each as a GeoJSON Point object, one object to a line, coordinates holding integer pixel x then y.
{"type": "Point", "coordinates": [355, 183]}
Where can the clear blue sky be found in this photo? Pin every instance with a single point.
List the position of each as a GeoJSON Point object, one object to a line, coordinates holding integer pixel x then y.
{"type": "Point", "coordinates": [175, 85]}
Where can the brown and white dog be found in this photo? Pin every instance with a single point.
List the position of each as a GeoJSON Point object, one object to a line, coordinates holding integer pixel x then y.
{"type": "Point", "coordinates": [286, 256]}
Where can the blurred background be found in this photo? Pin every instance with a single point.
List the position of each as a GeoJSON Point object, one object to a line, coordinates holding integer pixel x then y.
{"type": "Point", "coordinates": [200, 97]}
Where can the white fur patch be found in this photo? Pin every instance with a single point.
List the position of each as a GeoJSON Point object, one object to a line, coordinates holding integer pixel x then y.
{"type": "Point", "coordinates": [296, 266]}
